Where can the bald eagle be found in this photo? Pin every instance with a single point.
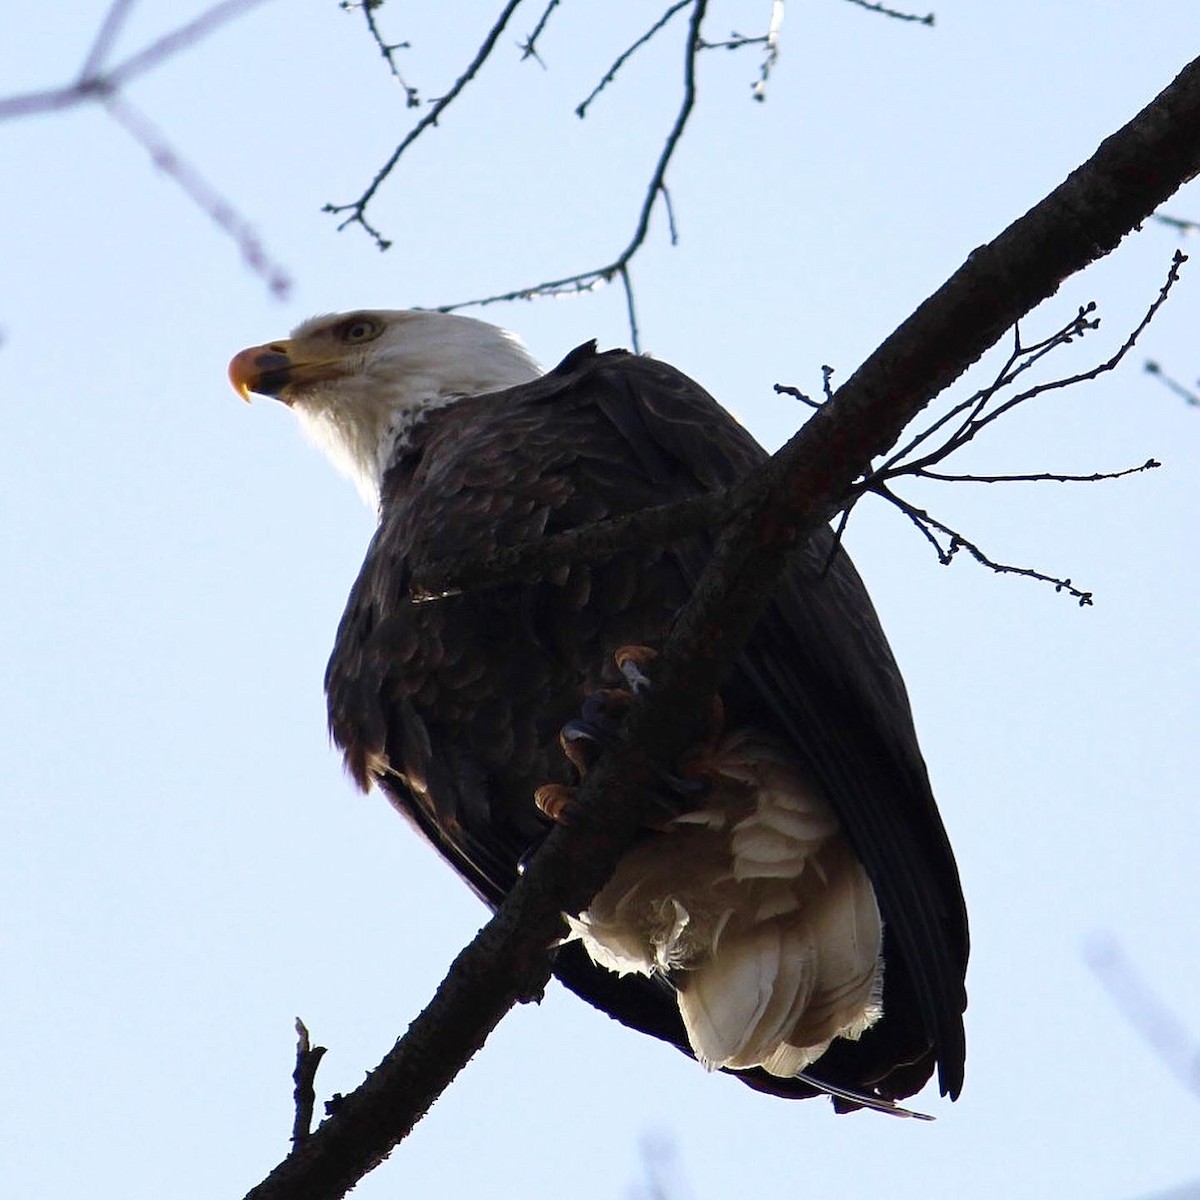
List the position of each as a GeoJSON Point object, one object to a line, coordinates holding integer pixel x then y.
{"type": "Point", "coordinates": [799, 923]}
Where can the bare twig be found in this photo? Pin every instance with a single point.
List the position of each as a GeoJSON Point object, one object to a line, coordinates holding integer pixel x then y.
{"type": "Point", "coordinates": [672, 229]}
{"type": "Point", "coordinates": [928, 524]}
{"type": "Point", "coordinates": [769, 41]}
{"type": "Point", "coordinates": [884, 11]}
{"type": "Point", "coordinates": [387, 50]}
{"type": "Point", "coordinates": [666, 523]}
{"type": "Point", "coordinates": [630, 307]}
{"type": "Point", "coordinates": [1153, 368]}
{"type": "Point", "coordinates": [586, 281]}
{"type": "Point", "coordinates": [1181, 224]}
{"type": "Point", "coordinates": [106, 36]}
{"type": "Point", "coordinates": [786, 389]}
{"type": "Point", "coordinates": [358, 208]}
{"type": "Point", "coordinates": [626, 55]}
{"type": "Point", "coordinates": [1083, 219]}
{"type": "Point", "coordinates": [1020, 359]}
{"type": "Point", "coordinates": [96, 83]}
{"type": "Point", "coordinates": [1178, 1050]}
{"type": "Point", "coordinates": [219, 210]}
{"type": "Point", "coordinates": [827, 382]}
{"type": "Point", "coordinates": [979, 414]}
{"type": "Point", "coordinates": [308, 1058]}
{"type": "Point", "coordinates": [735, 41]}
{"type": "Point", "coordinates": [1043, 476]}
{"type": "Point", "coordinates": [355, 212]}
{"type": "Point", "coordinates": [770, 54]}
{"type": "Point", "coordinates": [177, 40]}
{"type": "Point", "coordinates": [529, 45]}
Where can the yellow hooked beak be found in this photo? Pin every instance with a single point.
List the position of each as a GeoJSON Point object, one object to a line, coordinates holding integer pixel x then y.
{"type": "Point", "coordinates": [271, 369]}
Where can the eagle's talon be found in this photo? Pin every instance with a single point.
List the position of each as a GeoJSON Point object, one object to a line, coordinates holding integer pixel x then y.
{"type": "Point", "coordinates": [581, 743]}
{"type": "Point", "coordinates": [630, 660]}
{"type": "Point", "coordinates": [596, 728]}
{"type": "Point", "coordinates": [557, 801]}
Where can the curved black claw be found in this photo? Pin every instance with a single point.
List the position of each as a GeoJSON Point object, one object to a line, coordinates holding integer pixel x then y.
{"type": "Point", "coordinates": [597, 727]}
{"type": "Point", "coordinates": [630, 660]}
{"type": "Point", "coordinates": [558, 802]}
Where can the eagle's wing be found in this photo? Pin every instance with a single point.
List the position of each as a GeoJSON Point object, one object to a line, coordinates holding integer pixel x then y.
{"type": "Point", "coordinates": [819, 670]}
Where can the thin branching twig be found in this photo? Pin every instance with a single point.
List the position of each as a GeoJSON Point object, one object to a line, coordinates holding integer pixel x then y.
{"type": "Point", "coordinates": [1045, 476]}
{"type": "Point", "coordinates": [586, 281]}
{"type": "Point", "coordinates": [930, 526]}
{"type": "Point", "coordinates": [978, 411]}
{"type": "Point", "coordinates": [1181, 224]}
{"type": "Point", "coordinates": [308, 1058]}
{"type": "Point", "coordinates": [769, 41]}
{"type": "Point", "coordinates": [98, 83]}
{"type": "Point", "coordinates": [357, 209]}
{"type": "Point", "coordinates": [387, 50]}
{"type": "Point", "coordinates": [758, 89]}
{"type": "Point", "coordinates": [626, 55]}
{"type": "Point", "coordinates": [884, 11]}
{"type": "Point", "coordinates": [1021, 358]}
{"type": "Point", "coordinates": [219, 210]}
{"type": "Point", "coordinates": [1153, 368]}
{"type": "Point", "coordinates": [786, 389]}
{"type": "Point", "coordinates": [355, 213]}
{"type": "Point", "coordinates": [529, 45]}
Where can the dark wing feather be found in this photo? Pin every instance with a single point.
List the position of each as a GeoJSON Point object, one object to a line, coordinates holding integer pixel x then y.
{"type": "Point", "coordinates": [464, 697]}
{"type": "Point", "coordinates": [820, 664]}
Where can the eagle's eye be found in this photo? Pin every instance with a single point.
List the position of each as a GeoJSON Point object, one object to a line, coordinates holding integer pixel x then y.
{"type": "Point", "coordinates": [359, 329]}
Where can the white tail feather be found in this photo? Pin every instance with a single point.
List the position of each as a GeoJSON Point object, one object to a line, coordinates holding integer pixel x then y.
{"type": "Point", "coordinates": [759, 909]}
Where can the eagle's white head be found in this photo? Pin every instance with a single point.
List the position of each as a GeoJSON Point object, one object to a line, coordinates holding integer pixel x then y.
{"type": "Point", "coordinates": [360, 381]}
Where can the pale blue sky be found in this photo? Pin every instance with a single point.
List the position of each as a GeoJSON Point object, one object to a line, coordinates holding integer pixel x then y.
{"type": "Point", "coordinates": [186, 870]}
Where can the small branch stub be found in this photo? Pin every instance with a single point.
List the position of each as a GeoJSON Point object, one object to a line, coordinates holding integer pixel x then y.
{"type": "Point", "coordinates": [308, 1058]}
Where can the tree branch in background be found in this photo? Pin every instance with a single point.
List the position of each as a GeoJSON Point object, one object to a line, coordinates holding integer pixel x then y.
{"type": "Point", "coordinates": [586, 281]}
{"type": "Point", "coordinates": [1153, 368]}
{"type": "Point", "coordinates": [387, 50]}
{"type": "Point", "coordinates": [618, 269]}
{"type": "Point", "coordinates": [358, 208]}
{"type": "Point", "coordinates": [1176, 1048]}
{"type": "Point", "coordinates": [662, 1178]}
{"type": "Point", "coordinates": [769, 41]}
{"type": "Point", "coordinates": [1179, 224]}
{"type": "Point", "coordinates": [529, 45]}
{"type": "Point", "coordinates": [884, 11]}
{"type": "Point", "coordinates": [809, 479]}
{"type": "Point", "coordinates": [627, 54]}
{"type": "Point", "coordinates": [976, 413]}
{"type": "Point", "coordinates": [100, 85]}
{"type": "Point", "coordinates": [308, 1058]}
{"type": "Point", "coordinates": [355, 212]}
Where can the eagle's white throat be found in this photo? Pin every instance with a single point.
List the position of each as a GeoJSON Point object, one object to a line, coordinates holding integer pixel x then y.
{"type": "Point", "coordinates": [419, 362]}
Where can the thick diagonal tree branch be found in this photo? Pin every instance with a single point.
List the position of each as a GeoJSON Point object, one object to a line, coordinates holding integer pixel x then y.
{"type": "Point", "coordinates": [1133, 172]}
